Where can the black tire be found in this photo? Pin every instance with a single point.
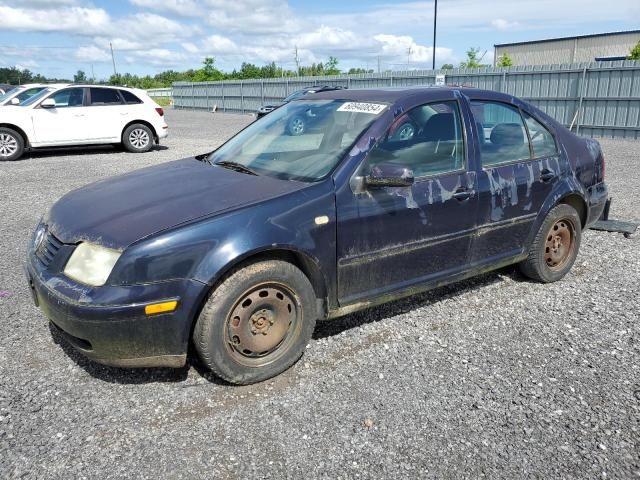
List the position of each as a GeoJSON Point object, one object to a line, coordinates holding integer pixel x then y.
{"type": "Point", "coordinates": [296, 126]}
{"type": "Point", "coordinates": [11, 144]}
{"type": "Point", "coordinates": [137, 138]}
{"type": "Point", "coordinates": [551, 255]}
{"type": "Point", "coordinates": [265, 305]}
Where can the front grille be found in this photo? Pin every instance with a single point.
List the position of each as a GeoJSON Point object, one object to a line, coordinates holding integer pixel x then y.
{"type": "Point", "coordinates": [48, 249]}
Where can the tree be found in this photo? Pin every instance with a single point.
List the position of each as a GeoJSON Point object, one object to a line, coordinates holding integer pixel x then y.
{"type": "Point", "coordinates": [80, 77]}
{"type": "Point", "coordinates": [635, 52]}
{"type": "Point", "coordinates": [447, 66]}
{"type": "Point", "coordinates": [331, 68]}
{"type": "Point", "coordinates": [472, 59]}
{"type": "Point", "coordinates": [505, 60]}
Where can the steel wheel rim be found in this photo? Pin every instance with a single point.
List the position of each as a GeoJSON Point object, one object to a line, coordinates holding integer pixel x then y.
{"type": "Point", "coordinates": [139, 138]}
{"type": "Point", "coordinates": [8, 145]}
{"type": "Point", "coordinates": [559, 244]}
{"type": "Point", "coordinates": [297, 126]}
{"type": "Point", "coordinates": [406, 132]}
{"type": "Point", "coordinates": [262, 324]}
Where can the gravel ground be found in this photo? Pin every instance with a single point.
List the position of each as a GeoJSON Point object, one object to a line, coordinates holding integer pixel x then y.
{"type": "Point", "coordinates": [493, 377]}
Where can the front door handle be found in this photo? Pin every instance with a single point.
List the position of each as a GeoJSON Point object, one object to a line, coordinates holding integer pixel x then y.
{"type": "Point", "coordinates": [462, 195]}
{"type": "Point", "coordinates": [547, 175]}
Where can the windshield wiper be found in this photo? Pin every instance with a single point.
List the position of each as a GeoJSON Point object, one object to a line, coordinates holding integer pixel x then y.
{"type": "Point", "coordinates": [238, 167]}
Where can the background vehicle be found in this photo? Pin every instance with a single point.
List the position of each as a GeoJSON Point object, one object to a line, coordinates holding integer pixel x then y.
{"type": "Point", "coordinates": [24, 92]}
{"type": "Point", "coordinates": [81, 115]}
{"type": "Point", "coordinates": [4, 88]}
{"type": "Point", "coordinates": [257, 240]}
{"type": "Point", "coordinates": [263, 110]}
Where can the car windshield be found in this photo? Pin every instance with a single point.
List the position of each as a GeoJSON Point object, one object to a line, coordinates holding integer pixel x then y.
{"type": "Point", "coordinates": [303, 140]}
{"type": "Point", "coordinates": [36, 97]}
{"type": "Point", "coordinates": [7, 94]}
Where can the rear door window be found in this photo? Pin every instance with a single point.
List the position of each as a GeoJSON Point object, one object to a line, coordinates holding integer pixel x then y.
{"type": "Point", "coordinates": [542, 141]}
{"type": "Point", "coordinates": [105, 96]}
{"type": "Point", "coordinates": [503, 135]}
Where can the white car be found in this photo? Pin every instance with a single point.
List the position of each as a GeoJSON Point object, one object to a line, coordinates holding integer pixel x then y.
{"type": "Point", "coordinates": [81, 115]}
{"type": "Point", "coordinates": [22, 93]}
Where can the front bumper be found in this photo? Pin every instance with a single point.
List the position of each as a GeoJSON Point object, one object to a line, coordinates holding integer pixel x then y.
{"type": "Point", "coordinates": [109, 325]}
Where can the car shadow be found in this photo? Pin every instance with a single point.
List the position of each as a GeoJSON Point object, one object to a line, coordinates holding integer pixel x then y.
{"type": "Point", "coordinates": [323, 330]}
{"type": "Point", "coordinates": [80, 151]}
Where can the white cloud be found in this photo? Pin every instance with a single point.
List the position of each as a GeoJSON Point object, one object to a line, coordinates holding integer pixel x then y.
{"type": "Point", "coordinates": [186, 8]}
{"type": "Point", "coordinates": [220, 44]}
{"type": "Point", "coordinates": [405, 47]}
{"type": "Point", "coordinates": [67, 19]}
{"type": "Point", "coordinates": [190, 47]}
{"type": "Point", "coordinates": [503, 25]}
{"type": "Point", "coordinates": [92, 54]}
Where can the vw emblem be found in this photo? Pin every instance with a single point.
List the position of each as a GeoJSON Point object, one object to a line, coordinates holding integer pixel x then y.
{"type": "Point", "coordinates": [39, 238]}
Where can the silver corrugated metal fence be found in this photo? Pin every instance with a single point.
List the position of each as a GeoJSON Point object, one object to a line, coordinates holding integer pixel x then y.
{"type": "Point", "coordinates": [160, 92]}
{"type": "Point", "coordinates": [597, 99]}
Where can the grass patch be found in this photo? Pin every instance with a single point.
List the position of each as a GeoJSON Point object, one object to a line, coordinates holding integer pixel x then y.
{"type": "Point", "coordinates": [162, 101]}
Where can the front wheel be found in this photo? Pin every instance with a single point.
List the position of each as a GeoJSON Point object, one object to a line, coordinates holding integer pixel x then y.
{"type": "Point", "coordinates": [555, 247]}
{"type": "Point", "coordinates": [137, 138]}
{"type": "Point", "coordinates": [256, 323]}
{"type": "Point", "coordinates": [11, 144]}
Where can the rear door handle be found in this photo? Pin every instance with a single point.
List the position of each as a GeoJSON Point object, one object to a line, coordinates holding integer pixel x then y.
{"type": "Point", "coordinates": [462, 195]}
{"type": "Point", "coordinates": [547, 175]}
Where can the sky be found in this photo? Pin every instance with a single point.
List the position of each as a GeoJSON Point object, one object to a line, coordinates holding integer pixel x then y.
{"type": "Point", "coordinates": [59, 37]}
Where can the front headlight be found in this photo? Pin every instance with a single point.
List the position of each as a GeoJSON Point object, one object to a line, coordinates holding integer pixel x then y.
{"type": "Point", "coordinates": [91, 264]}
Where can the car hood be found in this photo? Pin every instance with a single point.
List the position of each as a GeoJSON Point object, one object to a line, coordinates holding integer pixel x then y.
{"type": "Point", "coordinates": [121, 210]}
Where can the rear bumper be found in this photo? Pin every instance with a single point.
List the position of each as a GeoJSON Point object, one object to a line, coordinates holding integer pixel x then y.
{"type": "Point", "coordinates": [118, 333]}
{"type": "Point", "coordinates": [598, 195]}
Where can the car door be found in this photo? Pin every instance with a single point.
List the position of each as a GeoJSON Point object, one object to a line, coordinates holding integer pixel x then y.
{"type": "Point", "coordinates": [516, 177]}
{"type": "Point", "coordinates": [391, 238]}
{"type": "Point", "coordinates": [63, 124]}
{"type": "Point", "coordinates": [107, 114]}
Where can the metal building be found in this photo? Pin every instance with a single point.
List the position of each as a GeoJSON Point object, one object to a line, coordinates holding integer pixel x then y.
{"type": "Point", "coordinates": [583, 48]}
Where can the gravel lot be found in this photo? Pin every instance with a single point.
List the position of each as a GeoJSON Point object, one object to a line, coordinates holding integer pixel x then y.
{"type": "Point", "coordinates": [493, 377]}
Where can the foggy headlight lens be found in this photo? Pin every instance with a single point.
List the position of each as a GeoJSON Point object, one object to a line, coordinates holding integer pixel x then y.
{"type": "Point", "coordinates": [91, 264]}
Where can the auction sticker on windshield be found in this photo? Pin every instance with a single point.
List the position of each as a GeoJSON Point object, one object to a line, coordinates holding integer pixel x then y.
{"type": "Point", "coordinates": [359, 107]}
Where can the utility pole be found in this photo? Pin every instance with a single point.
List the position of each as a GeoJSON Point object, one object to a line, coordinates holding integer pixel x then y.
{"type": "Point", "coordinates": [408, 56]}
{"type": "Point", "coordinates": [435, 23]}
{"type": "Point", "coordinates": [93, 75]}
{"type": "Point", "coordinates": [113, 59]}
{"type": "Point", "coordinates": [297, 60]}
{"type": "Point", "coordinates": [378, 63]}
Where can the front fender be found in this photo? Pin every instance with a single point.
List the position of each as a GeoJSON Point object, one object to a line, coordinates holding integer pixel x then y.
{"type": "Point", "coordinates": [206, 249]}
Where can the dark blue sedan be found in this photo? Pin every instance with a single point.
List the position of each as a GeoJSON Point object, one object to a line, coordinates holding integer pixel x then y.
{"type": "Point", "coordinates": [240, 251]}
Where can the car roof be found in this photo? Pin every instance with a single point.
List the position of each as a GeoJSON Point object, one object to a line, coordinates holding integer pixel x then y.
{"type": "Point", "coordinates": [394, 94]}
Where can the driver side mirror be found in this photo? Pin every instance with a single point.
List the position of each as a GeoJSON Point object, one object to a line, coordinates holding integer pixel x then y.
{"type": "Point", "coordinates": [15, 101]}
{"type": "Point", "coordinates": [48, 103]}
{"type": "Point", "coordinates": [389, 175]}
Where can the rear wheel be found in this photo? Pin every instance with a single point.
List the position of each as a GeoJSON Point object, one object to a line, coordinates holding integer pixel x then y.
{"type": "Point", "coordinates": [137, 138]}
{"type": "Point", "coordinates": [555, 247]}
{"type": "Point", "coordinates": [11, 144]}
{"type": "Point", "coordinates": [256, 323]}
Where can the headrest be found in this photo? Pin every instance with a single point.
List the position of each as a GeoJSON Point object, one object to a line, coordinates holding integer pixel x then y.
{"type": "Point", "coordinates": [440, 126]}
{"type": "Point", "coordinates": [508, 134]}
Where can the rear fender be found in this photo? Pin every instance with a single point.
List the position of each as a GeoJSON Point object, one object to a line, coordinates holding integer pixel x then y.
{"type": "Point", "coordinates": [567, 186]}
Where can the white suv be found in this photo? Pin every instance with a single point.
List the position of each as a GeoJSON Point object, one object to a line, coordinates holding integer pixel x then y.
{"type": "Point", "coordinates": [81, 115]}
